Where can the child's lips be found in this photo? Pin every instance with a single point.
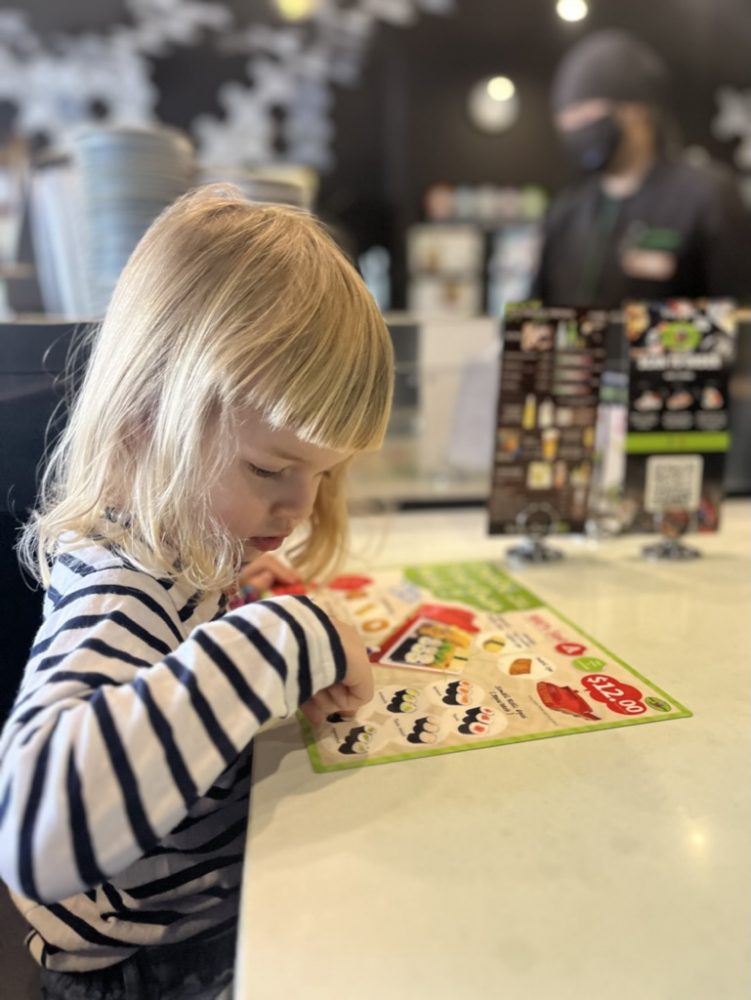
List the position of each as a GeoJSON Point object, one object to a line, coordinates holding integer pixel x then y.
{"type": "Point", "coordinates": [266, 543]}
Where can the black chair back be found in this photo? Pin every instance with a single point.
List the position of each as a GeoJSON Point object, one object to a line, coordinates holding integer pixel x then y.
{"type": "Point", "coordinates": [32, 364]}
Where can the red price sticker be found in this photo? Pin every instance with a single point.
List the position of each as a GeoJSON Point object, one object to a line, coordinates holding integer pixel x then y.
{"type": "Point", "coordinates": [570, 648]}
{"type": "Point", "coordinates": [624, 699]}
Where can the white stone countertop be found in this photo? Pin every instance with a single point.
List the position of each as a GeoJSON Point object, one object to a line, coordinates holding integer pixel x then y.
{"type": "Point", "coordinates": [613, 864]}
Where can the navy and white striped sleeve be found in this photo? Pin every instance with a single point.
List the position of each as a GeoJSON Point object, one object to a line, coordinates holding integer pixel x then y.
{"type": "Point", "coordinates": [121, 724]}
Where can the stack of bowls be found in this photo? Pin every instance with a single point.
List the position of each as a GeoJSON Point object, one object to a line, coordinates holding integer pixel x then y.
{"type": "Point", "coordinates": [127, 177]}
{"type": "Point", "coordinates": [282, 184]}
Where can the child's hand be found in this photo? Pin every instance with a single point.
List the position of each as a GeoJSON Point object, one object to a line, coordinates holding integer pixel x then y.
{"type": "Point", "coordinates": [354, 691]}
{"type": "Point", "coordinates": [264, 572]}
{"type": "Point", "coordinates": [258, 575]}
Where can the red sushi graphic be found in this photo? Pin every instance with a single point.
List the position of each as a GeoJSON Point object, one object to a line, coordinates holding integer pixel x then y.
{"type": "Point", "coordinates": [350, 582]}
{"type": "Point", "coordinates": [347, 584]}
{"type": "Point", "coordinates": [564, 699]}
{"type": "Point", "coordinates": [283, 589]}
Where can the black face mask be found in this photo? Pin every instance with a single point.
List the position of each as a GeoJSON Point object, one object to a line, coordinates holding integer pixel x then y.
{"type": "Point", "coordinates": [592, 146]}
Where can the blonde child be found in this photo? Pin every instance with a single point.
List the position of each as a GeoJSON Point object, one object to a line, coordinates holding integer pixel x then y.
{"type": "Point", "coordinates": [241, 364]}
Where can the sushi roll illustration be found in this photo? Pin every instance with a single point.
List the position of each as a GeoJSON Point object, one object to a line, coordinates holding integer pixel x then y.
{"type": "Point", "coordinates": [425, 730]}
{"type": "Point", "coordinates": [458, 693]}
{"type": "Point", "coordinates": [357, 740]}
{"type": "Point", "coordinates": [403, 701]}
{"type": "Point", "coordinates": [476, 721]}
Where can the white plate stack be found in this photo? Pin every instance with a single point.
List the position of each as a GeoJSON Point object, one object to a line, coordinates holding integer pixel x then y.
{"type": "Point", "coordinates": [127, 177]}
{"type": "Point", "coordinates": [283, 184]}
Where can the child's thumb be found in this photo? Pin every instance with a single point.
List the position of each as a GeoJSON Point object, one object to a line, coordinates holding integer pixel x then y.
{"type": "Point", "coordinates": [261, 580]}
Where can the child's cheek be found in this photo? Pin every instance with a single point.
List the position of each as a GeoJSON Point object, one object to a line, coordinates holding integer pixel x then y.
{"type": "Point", "coordinates": [235, 505]}
{"type": "Point", "coordinates": [249, 553]}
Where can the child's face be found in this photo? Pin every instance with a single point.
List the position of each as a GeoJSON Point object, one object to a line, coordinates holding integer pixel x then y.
{"type": "Point", "coordinates": [270, 485]}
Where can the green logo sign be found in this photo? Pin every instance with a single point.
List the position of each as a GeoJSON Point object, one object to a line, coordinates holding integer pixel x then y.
{"type": "Point", "coordinates": [679, 336]}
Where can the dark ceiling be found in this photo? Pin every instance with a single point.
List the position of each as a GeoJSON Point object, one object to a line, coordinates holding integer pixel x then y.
{"type": "Point", "coordinates": [713, 33]}
{"type": "Point", "coordinates": [707, 42]}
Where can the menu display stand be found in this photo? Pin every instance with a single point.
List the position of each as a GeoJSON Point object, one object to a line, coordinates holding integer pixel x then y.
{"type": "Point", "coordinates": [681, 353]}
{"type": "Point", "coordinates": [673, 525]}
{"type": "Point", "coordinates": [535, 523]}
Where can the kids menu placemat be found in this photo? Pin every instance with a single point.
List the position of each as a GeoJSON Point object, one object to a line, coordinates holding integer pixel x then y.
{"type": "Point", "coordinates": [466, 657]}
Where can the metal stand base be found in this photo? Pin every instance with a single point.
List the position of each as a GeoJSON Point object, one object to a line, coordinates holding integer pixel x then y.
{"type": "Point", "coordinates": [670, 548]}
{"type": "Point", "coordinates": [532, 550]}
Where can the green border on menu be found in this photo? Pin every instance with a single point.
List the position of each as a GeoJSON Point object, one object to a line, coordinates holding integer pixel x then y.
{"type": "Point", "coordinates": [511, 596]}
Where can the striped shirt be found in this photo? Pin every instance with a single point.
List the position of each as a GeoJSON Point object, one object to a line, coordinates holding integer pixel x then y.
{"type": "Point", "coordinates": [125, 763]}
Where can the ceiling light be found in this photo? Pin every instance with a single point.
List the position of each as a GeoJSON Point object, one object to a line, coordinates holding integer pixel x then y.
{"type": "Point", "coordinates": [500, 88]}
{"type": "Point", "coordinates": [492, 104]}
{"type": "Point", "coordinates": [572, 10]}
{"type": "Point", "coordinates": [296, 10]}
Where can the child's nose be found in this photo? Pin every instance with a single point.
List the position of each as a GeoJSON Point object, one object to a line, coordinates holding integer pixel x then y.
{"type": "Point", "coordinates": [296, 503]}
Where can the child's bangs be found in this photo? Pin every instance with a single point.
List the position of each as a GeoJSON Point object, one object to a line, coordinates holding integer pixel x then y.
{"type": "Point", "coordinates": [332, 381]}
{"type": "Point", "coordinates": [344, 407]}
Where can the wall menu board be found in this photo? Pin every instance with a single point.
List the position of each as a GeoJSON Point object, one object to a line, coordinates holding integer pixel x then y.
{"type": "Point", "coordinates": [551, 364]}
{"type": "Point", "coordinates": [466, 657]}
{"type": "Point", "coordinates": [680, 356]}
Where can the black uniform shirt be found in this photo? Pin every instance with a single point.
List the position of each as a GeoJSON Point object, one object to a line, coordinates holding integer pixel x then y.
{"type": "Point", "coordinates": [685, 232]}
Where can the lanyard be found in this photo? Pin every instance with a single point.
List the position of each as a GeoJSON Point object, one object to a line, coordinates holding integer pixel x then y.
{"type": "Point", "coordinates": [606, 217]}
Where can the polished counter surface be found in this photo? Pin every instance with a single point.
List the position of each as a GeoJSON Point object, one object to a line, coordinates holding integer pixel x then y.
{"type": "Point", "coordinates": [615, 863]}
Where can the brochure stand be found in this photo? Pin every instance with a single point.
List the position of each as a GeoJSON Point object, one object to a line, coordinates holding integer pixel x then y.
{"type": "Point", "coordinates": [673, 525]}
{"type": "Point", "coordinates": [535, 523]}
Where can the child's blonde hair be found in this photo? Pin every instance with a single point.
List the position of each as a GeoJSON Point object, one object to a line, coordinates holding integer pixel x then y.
{"type": "Point", "coordinates": [223, 304]}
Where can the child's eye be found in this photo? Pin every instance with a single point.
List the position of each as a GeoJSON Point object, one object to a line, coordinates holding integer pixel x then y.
{"type": "Point", "coordinates": [262, 473]}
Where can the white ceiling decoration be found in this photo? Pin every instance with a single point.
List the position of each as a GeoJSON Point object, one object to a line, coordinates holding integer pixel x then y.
{"type": "Point", "coordinates": [161, 24]}
{"type": "Point", "coordinates": [70, 79]}
{"type": "Point", "coordinates": [293, 72]}
{"type": "Point", "coordinates": [280, 112]}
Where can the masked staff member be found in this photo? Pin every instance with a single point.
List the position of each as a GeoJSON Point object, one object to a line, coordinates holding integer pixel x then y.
{"type": "Point", "coordinates": [643, 223]}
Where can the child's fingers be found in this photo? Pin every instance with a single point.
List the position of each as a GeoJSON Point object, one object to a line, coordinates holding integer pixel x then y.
{"type": "Point", "coordinates": [336, 699]}
{"type": "Point", "coordinates": [347, 700]}
{"type": "Point", "coordinates": [359, 685]}
{"type": "Point", "coordinates": [324, 703]}
{"type": "Point", "coordinates": [261, 580]}
{"type": "Point", "coordinates": [358, 680]}
{"type": "Point", "coordinates": [345, 697]}
{"type": "Point", "coordinates": [340, 696]}
{"type": "Point", "coordinates": [312, 712]}
{"type": "Point", "coordinates": [279, 571]}
{"type": "Point", "coordinates": [284, 573]}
